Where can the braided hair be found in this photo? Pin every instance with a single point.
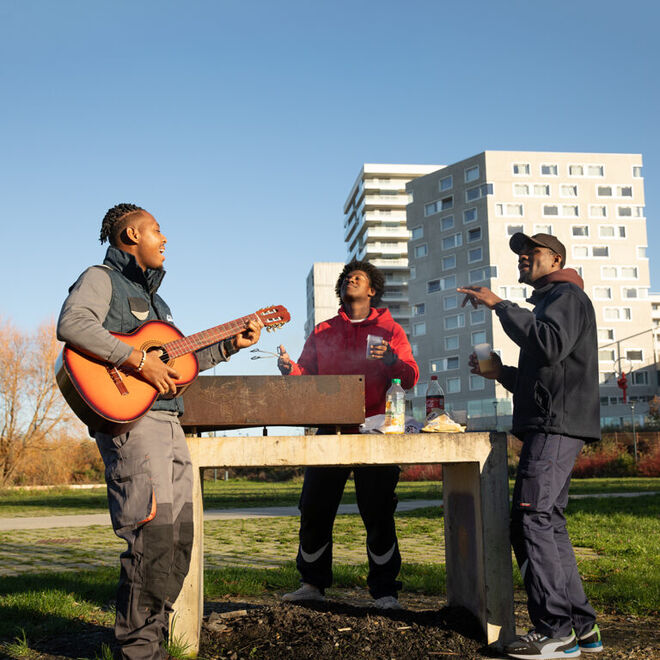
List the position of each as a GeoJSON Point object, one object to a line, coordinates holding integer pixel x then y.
{"type": "Point", "coordinates": [376, 279]}
{"type": "Point", "coordinates": [114, 221]}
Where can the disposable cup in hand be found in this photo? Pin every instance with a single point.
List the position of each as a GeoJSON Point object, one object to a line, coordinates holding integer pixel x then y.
{"type": "Point", "coordinates": [372, 340]}
{"type": "Point", "coordinates": [483, 352]}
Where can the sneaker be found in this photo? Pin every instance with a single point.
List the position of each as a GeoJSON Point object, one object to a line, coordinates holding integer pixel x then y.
{"type": "Point", "coordinates": [387, 603]}
{"type": "Point", "coordinates": [536, 646]}
{"type": "Point", "coordinates": [591, 642]}
{"type": "Point", "coordinates": [306, 592]}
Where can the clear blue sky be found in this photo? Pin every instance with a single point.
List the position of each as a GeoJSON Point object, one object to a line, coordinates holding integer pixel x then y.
{"type": "Point", "coordinates": [241, 126]}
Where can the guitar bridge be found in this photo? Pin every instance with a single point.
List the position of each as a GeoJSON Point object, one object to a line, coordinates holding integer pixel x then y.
{"type": "Point", "coordinates": [118, 380]}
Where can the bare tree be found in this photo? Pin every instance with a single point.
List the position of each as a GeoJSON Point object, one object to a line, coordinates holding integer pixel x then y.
{"type": "Point", "coordinates": [31, 406]}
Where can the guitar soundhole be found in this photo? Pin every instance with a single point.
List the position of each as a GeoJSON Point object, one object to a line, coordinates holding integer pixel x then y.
{"type": "Point", "coordinates": [164, 356]}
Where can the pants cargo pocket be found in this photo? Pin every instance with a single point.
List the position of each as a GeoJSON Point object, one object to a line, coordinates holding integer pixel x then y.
{"type": "Point", "coordinates": [533, 492]}
{"type": "Point", "coordinates": [131, 495]}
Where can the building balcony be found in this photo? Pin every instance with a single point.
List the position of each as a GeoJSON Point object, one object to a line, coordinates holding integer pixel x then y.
{"type": "Point", "coordinates": [394, 201]}
{"type": "Point", "coordinates": [390, 264]}
{"type": "Point", "coordinates": [388, 233]}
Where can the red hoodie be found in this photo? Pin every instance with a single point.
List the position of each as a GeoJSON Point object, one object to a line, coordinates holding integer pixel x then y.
{"type": "Point", "coordinates": [338, 346]}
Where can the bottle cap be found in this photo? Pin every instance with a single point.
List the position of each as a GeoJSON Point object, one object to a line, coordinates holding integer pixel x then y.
{"type": "Point", "coordinates": [396, 381]}
{"type": "Point", "coordinates": [434, 378]}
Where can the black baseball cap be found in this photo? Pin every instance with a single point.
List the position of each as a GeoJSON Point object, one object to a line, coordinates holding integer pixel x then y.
{"type": "Point", "coordinates": [520, 241]}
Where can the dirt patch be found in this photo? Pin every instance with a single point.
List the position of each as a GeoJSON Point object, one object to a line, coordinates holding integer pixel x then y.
{"type": "Point", "coordinates": [347, 627]}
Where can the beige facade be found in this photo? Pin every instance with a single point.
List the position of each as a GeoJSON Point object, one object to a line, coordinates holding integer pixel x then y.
{"type": "Point", "coordinates": [322, 302]}
{"type": "Point", "coordinates": [461, 218]}
{"type": "Point", "coordinates": [375, 227]}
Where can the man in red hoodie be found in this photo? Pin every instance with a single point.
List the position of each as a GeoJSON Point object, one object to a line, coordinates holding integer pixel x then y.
{"type": "Point", "coordinates": [339, 346]}
{"type": "Point", "coordinates": [556, 409]}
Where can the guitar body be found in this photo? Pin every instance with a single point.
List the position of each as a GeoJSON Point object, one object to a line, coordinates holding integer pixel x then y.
{"type": "Point", "coordinates": [112, 400]}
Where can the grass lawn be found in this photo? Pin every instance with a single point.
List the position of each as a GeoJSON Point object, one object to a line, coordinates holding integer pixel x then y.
{"type": "Point", "coordinates": [239, 493]}
{"type": "Point", "coordinates": [256, 555]}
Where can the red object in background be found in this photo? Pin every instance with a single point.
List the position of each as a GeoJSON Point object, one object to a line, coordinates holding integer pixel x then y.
{"type": "Point", "coordinates": [622, 382]}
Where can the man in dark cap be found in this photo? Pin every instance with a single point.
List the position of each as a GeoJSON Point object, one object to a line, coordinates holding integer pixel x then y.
{"type": "Point", "coordinates": [556, 410]}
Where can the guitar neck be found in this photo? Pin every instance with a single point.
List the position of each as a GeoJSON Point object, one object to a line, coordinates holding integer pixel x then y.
{"type": "Point", "coordinates": [208, 337]}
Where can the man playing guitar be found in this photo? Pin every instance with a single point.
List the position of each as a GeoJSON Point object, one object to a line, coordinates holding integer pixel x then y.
{"type": "Point", "coordinates": [148, 469]}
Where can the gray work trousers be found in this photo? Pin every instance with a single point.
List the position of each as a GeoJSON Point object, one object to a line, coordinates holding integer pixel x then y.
{"type": "Point", "coordinates": [555, 597]}
{"type": "Point", "coordinates": [149, 478]}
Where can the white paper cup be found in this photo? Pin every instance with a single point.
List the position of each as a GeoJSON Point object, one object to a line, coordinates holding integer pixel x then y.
{"type": "Point", "coordinates": [483, 352]}
{"type": "Point", "coordinates": [373, 340]}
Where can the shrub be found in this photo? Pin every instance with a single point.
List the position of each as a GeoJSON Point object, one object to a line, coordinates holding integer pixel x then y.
{"type": "Point", "coordinates": [649, 463]}
{"type": "Point", "coordinates": [426, 472]}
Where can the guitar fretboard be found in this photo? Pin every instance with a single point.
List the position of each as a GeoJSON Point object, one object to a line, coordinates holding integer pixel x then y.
{"type": "Point", "coordinates": [208, 337]}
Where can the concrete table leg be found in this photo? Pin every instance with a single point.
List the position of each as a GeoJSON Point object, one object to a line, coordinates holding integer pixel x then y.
{"type": "Point", "coordinates": [478, 554]}
{"type": "Point", "coordinates": [186, 620]}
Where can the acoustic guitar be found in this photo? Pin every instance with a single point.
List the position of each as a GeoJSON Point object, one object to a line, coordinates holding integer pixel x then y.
{"type": "Point", "coordinates": [112, 399]}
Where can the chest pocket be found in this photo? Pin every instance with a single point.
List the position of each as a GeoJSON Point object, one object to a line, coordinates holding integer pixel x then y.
{"type": "Point", "coordinates": [139, 308]}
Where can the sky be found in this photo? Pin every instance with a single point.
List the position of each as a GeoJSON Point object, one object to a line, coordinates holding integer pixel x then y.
{"type": "Point", "coordinates": [241, 127]}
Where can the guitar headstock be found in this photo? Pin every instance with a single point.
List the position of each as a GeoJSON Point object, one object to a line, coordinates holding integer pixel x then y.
{"type": "Point", "coordinates": [274, 317]}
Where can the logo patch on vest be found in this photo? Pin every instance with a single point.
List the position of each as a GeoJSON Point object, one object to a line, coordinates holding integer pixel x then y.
{"type": "Point", "coordinates": [169, 319]}
{"type": "Point", "coordinates": [139, 308]}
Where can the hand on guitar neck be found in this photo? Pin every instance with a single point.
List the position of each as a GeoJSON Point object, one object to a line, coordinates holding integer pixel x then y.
{"type": "Point", "coordinates": [162, 376]}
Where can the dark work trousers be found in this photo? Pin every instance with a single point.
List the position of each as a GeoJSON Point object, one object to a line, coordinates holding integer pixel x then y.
{"type": "Point", "coordinates": [149, 477]}
{"type": "Point", "coordinates": [555, 598]}
{"type": "Point", "coordinates": [376, 499]}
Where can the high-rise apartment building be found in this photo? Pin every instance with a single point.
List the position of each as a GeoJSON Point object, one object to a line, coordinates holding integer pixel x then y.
{"type": "Point", "coordinates": [375, 227]}
{"type": "Point", "coordinates": [461, 218]}
{"type": "Point", "coordinates": [322, 301]}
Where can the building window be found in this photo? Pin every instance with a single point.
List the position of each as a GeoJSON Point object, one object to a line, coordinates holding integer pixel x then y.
{"type": "Point", "coordinates": [453, 385]}
{"type": "Point", "coordinates": [448, 262]}
{"type": "Point", "coordinates": [477, 382]}
{"type": "Point", "coordinates": [514, 229]}
{"type": "Point", "coordinates": [600, 251]}
{"type": "Point", "coordinates": [631, 292]}
{"type": "Point", "coordinates": [605, 334]}
{"type": "Point", "coordinates": [606, 355]}
{"type": "Point", "coordinates": [474, 235]}
{"type": "Point", "coordinates": [447, 203]}
{"type": "Point", "coordinates": [595, 170]}
{"type": "Point", "coordinates": [541, 190]}
{"type": "Point", "coordinates": [513, 292]}
{"type": "Point", "coordinates": [550, 209]}
{"type": "Point", "coordinates": [477, 316]}
{"type": "Point", "coordinates": [441, 284]}
{"type": "Point", "coordinates": [580, 230]}
{"type": "Point", "coordinates": [617, 313]}
{"type": "Point", "coordinates": [451, 343]}
{"type": "Point", "coordinates": [570, 211]}
{"type": "Point", "coordinates": [480, 274]}
{"type": "Point", "coordinates": [575, 170]}
{"type": "Point", "coordinates": [641, 252]}
{"type": "Point", "coordinates": [629, 272]}
{"type": "Point", "coordinates": [509, 210]}
{"type": "Point", "coordinates": [612, 231]}
{"type": "Point", "coordinates": [419, 309]}
{"type": "Point", "coordinates": [521, 189]}
{"type": "Point", "coordinates": [469, 215]}
{"type": "Point", "coordinates": [608, 272]}
{"type": "Point", "coordinates": [604, 191]}
{"type": "Point", "coordinates": [474, 255]}
{"type": "Point", "coordinates": [447, 222]}
{"type": "Point", "coordinates": [431, 208]}
{"type": "Point", "coordinates": [471, 174]}
{"type": "Point", "coordinates": [548, 170]}
{"type": "Point", "coordinates": [521, 169]}
{"type": "Point", "coordinates": [624, 191]}
{"type": "Point", "coordinates": [417, 232]}
{"type": "Point", "coordinates": [602, 293]}
{"type": "Point", "coordinates": [446, 183]}
{"type": "Point", "coordinates": [635, 354]}
{"type": "Point", "coordinates": [419, 329]}
{"type": "Point", "coordinates": [640, 378]}
{"type": "Point", "coordinates": [444, 364]}
{"type": "Point", "coordinates": [478, 337]}
{"type": "Point", "coordinates": [605, 377]}
{"type": "Point", "coordinates": [455, 321]}
{"type": "Point", "coordinates": [543, 229]}
{"type": "Point", "coordinates": [414, 348]}
{"type": "Point", "coordinates": [453, 241]}
{"type": "Point", "coordinates": [568, 190]}
{"type": "Point", "coordinates": [580, 251]}
{"type": "Point", "coordinates": [472, 194]}
{"type": "Point", "coordinates": [597, 211]}
{"type": "Point", "coordinates": [421, 250]}
{"type": "Point", "coordinates": [637, 171]}
{"type": "Point", "coordinates": [450, 302]}
{"type": "Point", "coordinates": [413, 272]}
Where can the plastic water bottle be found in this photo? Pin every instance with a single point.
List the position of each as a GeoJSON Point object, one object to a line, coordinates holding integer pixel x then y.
{"type": "Point", "coordinates": [435, 397]}
{"type": "Point", "coordinates": [395, 408]}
